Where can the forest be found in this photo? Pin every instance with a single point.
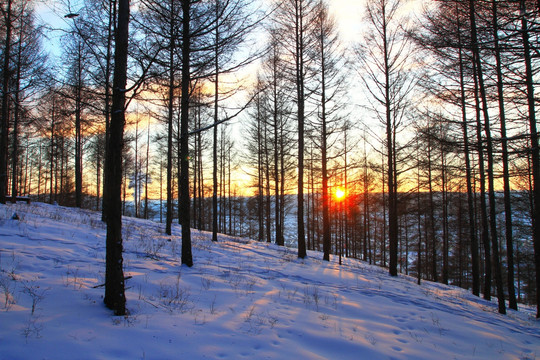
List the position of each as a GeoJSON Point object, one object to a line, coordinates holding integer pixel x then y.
{"type": "Point", "coordinates": [408, 141]}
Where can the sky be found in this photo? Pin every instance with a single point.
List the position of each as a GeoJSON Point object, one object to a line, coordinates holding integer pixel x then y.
{"type": "Point", "coordinates": [347, 12]}
{"type": "Point", "coordinates": [349, 15]}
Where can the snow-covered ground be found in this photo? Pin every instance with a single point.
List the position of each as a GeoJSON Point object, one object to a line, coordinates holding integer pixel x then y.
{"type": "Point", "coordinates": [241, 300]}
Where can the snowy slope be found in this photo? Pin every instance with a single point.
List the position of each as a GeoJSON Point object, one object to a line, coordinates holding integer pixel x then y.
{"type": "Point", "coordinates": [241, 300]}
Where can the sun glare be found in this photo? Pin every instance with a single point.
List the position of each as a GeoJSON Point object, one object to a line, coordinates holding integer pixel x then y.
{"type": "Point", "coordinates": [340, 193]}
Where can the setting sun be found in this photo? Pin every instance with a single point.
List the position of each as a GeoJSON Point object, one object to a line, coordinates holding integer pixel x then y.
{"type": "Point", "coordinates": [340, 193]}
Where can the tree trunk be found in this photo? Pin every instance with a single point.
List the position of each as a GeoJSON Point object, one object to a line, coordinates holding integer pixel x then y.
{"type": "Point", "coordinates": [276, 124]}
{"type": "Point", "coordinates": [115, 298]}
{"type": "Point", "coordinates": [215, 138]}
{"type": "Point", "coordinates": [365, 232]}
{"type": "Point", "coordinates": [506, 177]}
{"type": "Point", "coordinates": [301, 119]}
{"type": "Point", "coordinates": [470, 196]}
{"type": "Point", "coordinates": [483, 206]}
{"type": "Point", "coordinates": [170, 115]}
{"type": "Point", "coordinates": [110, 30]}
{"type": "Point", "coordinates": [136, 192]}
{"type": "Point", "coordinates": [16, 121]}
{"type": "Point", "coordinates": [268, 201]}
{"type": "Point", "coordinates": [419, 222]}
{"type": "Point", "coordinates": [392, 196]}
{"type": "Point", "coordinates": [432, 236]}
{"type": "Point", "coordinates": [184, 206]}
{"type": "Point", "coordinates": [78, 135]}
{"type": "Point", "coordinates": [98, 177]}
{"type": "Point", "coordinates": [51, 151]}
{"type": "Point", "coordinates": [444, 186]}
{"type": "Point", "coordinates": [489, 151]}
{"type": "Point", "coordinates": [146, 174]}
{"type": "Point", "coordinates": [5, 109]}
{"type": "Point", "coordinates": [529, 81]}
{"type": "Point", "coordinates": [324, 163]}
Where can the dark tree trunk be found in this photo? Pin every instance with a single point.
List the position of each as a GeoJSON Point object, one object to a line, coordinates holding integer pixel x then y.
{"type": "Point", "coordinates": [470, 196]}
{"type": "Point", "coordinates": [276, 127]}
{"type": "Point", "coordinates": [506, 177]}
{"type": "Point", "coordinates": [483, 207]}
{"type": "Point", "coordinates": [301, 119]}
{"type": "Point", "coordinates": [115, 298]}
{"type": "Point", "coordinates": [51, 151]}
{"type": "Point", "coordinates": [444, 186]}
{"type": "Point", "coordinates": [170, 115]}
{"type": "Point", "coordinates": [215, 137]}
{"type": "Point", "coordinates": [432, 240]}
{"type": "Point", "coordinates": [5, 108]}
{"type": "Point", "coordinates": [324, 164]}
{"type": "Point", "coordinates": [78, 135]}
{"type": "Point", "coordinates": [489, 151]}
{"type": "Point", "coordinates": [16, 120]}
{"type": "Point", "coordinates": [146, 174]}
{"type": "Point", "coordinates": [529, 81]}
{"type": "Point", "coordinates": [365, 232]}
{"type": "Point", "coordinates": [268, 202]}
{"type": "Point", "coordinates": [215, 174]}
{"type": "Point", "coordinates": [260, 173]}
{"type": "Point", "coordinates": [325, 194]}
{"type": "Point", "coordinates": [184, 206]}
{"type": "Point", "coordinates": [419, 224]}
{"type": "Point", "coordinates": [110, 36]}
{"type": "Point", "coordinates": [392, 196]}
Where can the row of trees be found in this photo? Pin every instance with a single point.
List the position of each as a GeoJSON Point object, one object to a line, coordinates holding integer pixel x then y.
{"type": "Point", "coordinates": [418, 125]}
{"type": "Point", "coordinates": [434, 89]}
{"type": "Point", "coordinates": [179, 47]}
{"type": "Point", "coordinates": [485, 67]}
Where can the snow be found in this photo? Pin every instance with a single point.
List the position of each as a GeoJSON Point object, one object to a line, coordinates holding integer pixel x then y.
{"type": "Point", "coordinates": [241, 300]}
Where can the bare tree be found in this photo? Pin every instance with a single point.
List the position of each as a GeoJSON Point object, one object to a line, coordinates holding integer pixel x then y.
{"type": "Point", "coordinates": [255, 148]}
{"type": "Point", "coordinates": [329, 86]}
{"type": "Point", "coordinates": [383, 57]}
{"type": "Point", "coordinates": [277, 107]}
{"type": "Point", "coordinates": [505, 162]}
{"type": "Point", "coordinates": [489, 151]}
{"type": "Point", "coordinates": [295, 18]}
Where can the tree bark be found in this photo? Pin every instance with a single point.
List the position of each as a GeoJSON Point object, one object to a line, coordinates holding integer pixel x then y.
{"type": "Point", "coordinates": [470, 196]}
{"type": "Point", "coordinates": [489, 152]}
{"type": "Point", "coordinates": [215, 133]}
{"type": "Point", "coordinates": [432, 240]}
{"type": "Point", "coordinates": [170, 114]}
{"type": "Point", "coordinates": [5, 109]}
{"type": "Point", "coordinates": [115, 298]}
{"type": "Point", "coordinates": [184, 206]}
{"type": "Point", "coordinates": [299, 28]}
{"type": "Point", "coordinates": [280, 240]}
{"type": "Point", "coordinates": [78, 135]}
{"type": "Point", "coordinates": [506, 176]}
{"type": "Point", "coordinates": [535, 155]}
